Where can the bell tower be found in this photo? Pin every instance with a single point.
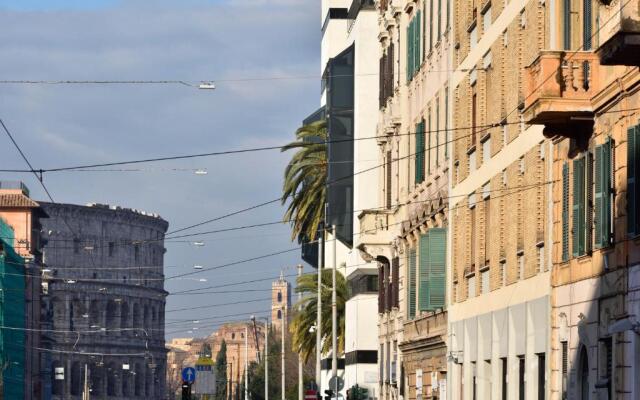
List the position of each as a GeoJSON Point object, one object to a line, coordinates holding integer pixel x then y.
{"type": "Point", "coordinates": [280, 301]}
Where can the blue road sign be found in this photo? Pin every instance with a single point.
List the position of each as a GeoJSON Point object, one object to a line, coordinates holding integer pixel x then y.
{"type": "Point", "coordinates": [189, 374]}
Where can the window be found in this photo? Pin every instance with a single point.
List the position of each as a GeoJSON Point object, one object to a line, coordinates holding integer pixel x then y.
{"type": "Point", "coordinates": [504, 373]}
{"type": "Point", "coordinates": [521, 375]}
{"type": "Point", "coordinates": [136, 252]}
{"type": "Point", "coordinates": [542, 382]}
{"type": "Point", "coordinates": [486, 150]}
{"type": "Point", "coordinates": [503, 272]}
{"type": "Point", "coordinates": [381, 364]}
{"type": "Point", "coordinates": [474, 115]}
{"type": "Point", "coordinates": [411, 292]}
{"type": "Point", "coordinates": [633, 185]}
{"type": "Point", "coordinates": [389, 183]}
{"type": "Point", "coordinates": [584, 374]}
{"type": "Point", "coordinates": [76, 246]}
{"type": "Point", "coordinates": [603, 195]}
{"type": "Point", "coordinates": [565, 212]}
{"type": "Point", "coordinates": [520, 265]}
{"type": "Point", "coordinates": [279, 314]}
{"type": "Point", "coordinates": [437, 132]}
{"type": "Point", "coordinates": [487, 223]}
{"type": "Point", "coordinates": [486, 20]}
{"type": "Point", "coordinates": [606, 367]}
{"type": "Point", "coordinates": [112, 248]}
{"type": "Point", "coordinates": [472, 242]}
{"type": "Point", "coordinates": [587, 28]}
{"type": "Point", "coordinates": [473, 37]}
{"type": "Point", "coordinates": [566, 13]}
{"type": "Point", "coordinates": [472, 161]}
{"type": "Point", "coordinates": [565, 368]}
{"type": "Point", "coordinates": [414, 43]}
{"type": "Point", "coordinates": [432, 260]}
{"type": "Point", "coordinates": [485, 281]}
{"type": "Point", "coordinates": [505, 38]}
{"type": "Point", "coordinates": [581, 221]}
{"type": "Point", "coordinates": [279, 297]}
{"type": "Point", "coordinates": [471, 286]}
{"type": "Point", "coordinates": [420, 150]}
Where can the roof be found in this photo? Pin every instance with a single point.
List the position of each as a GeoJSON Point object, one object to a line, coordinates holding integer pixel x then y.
{"type": "Point", "coordinates": [17, 200]}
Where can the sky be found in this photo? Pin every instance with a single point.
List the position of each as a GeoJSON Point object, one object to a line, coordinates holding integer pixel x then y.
{"type": "Point", "coordinates": [189, 40]}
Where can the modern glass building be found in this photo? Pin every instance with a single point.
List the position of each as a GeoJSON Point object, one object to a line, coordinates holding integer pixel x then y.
{"type": "Point", "coordinates": [12, 316]}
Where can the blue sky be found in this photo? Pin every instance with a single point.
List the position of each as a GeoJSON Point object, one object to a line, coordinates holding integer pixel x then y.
{"type": "Point", "coordinates": [194, 40]}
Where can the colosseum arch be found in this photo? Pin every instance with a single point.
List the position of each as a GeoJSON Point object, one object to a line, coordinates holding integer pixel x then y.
{"type": "Point", "coordinates": [78, 312]}
{"type": "Point", "coordinates": [147, 318]}
{"type": "Point", "coordinates": [148, 382]}
{"type": "Point", "coordinates": [58, 313]}
{"type": "Point", "coordinates": [111, 319]}
{"type": "Point", "coordinates": [126, 383]}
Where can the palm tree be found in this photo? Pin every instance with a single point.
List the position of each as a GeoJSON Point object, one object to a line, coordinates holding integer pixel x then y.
{"type": "Point", "coordinates": [305, 319]}
{"type": "Point", "coordinates": [305, 178]}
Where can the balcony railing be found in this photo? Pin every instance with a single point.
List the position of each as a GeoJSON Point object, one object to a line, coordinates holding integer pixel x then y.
{"type": "Point", "coordinates": [620, 33]}
{"type": "Point", "coordinates": [560, 86]}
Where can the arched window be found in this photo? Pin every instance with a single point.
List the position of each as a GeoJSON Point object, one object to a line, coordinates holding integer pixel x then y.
{"type": "Point", "coordinates": [279, 297]}
{"type": "Point", "coordinates": [584, 374]}
{"type": "Point", "coordinates": [111, 380]}
{"type": "Point", "coordinates": [139, 381]}
{"type": "Point", "coordinates": [136, 316]}
{"type": "Point", "coordinates": [147, 317]}
{"type": "Point", "coordinates": [96, 380]}
{"type": "Point", "coordinates": [94, 313]}
{"type": "Point", "coordinates": [124, 317]}
{"type": "Point", "coordinates": [111, 314]}
{"type": "Point", "coordinates": [279, 314]}
{"type": "Point", "coordinates": [126, 385]}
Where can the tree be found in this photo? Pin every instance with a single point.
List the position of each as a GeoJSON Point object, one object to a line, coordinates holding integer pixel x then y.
{"type": "Point", "coordinates": [305, 319]}
{"type": "Point", "coordinates": [221, 372]}
{"type": "Point", "coordinates": [305, 179]}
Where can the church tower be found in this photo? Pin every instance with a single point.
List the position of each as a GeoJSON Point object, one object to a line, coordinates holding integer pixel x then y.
{"type": "Point", "coordinates": [280, 301]}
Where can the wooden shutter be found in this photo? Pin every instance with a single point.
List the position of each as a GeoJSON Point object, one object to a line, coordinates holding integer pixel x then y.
{"type": "Point", "coordinates": [389, 293]}
{"type": "Point", "coordinates": [423, 272]}
{"type": "Point", "coordinates": [429, 133]}
{"type": "Point", "coordinates": [437, 266]}
{"type": "Point", "coordinates": [389, 197]}
{"type": "Point", "coordinates": [587, 30]}
{"type": "Point", "coordinates": [381, 288]}
{"type": "Point", "coordinates": [602, 201]}
{"type": "Point", "coordinates": [420, 150]}
{"type": "Point", "coordinates": [632, 177]}
{"type": "Point", "coordinates": [411, 289]}
{"type": "Point", "coordinates": [578, 217]}
{"type": "Point", "coordinates": [565, 212]}
{"type": "Point", "coordinates": [395, 276]}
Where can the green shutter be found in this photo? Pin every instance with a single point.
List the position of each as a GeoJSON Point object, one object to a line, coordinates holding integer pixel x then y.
{"type": "Point", "coordinates": [411, 292]}
{"type": "Point", "coordinates": [602, 223]}
{"type": "Point", "coordinates": [588, 203]}
{"type": "Point", "coordinates": [565, 212]}
{"type": "Point", "coordinates": [418, 42]}
{"type": "Point", "coordinates": [632, 187]}
{"type": "Point", "coordinates": [423, 272]}
{"type": "Point", "coordinates": [409, 51]}
{"type": "Point", "coordinates": [578, 234]}
{"type": "Point", "coordinates": [437, 267]}
{"type": "Point", "coordinates": [419, 174]}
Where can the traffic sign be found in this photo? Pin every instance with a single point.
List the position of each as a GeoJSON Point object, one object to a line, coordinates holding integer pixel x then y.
{"type": "Point", "coordinates": [336, 383]}
{"type": "Point", "coordinates": [310, 394]}
{"type": "Point", "coordinates": [189, 374]}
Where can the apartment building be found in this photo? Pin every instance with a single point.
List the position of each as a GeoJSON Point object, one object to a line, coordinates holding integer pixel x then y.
{"type": "Point", "coordinates": [407, 233]}
{"type": "Point", "coordinates": [349, 93]}
{"type": "Point", "coordinates": [583, 86]}
{"type": "Point", "coordinates": [500, 214]}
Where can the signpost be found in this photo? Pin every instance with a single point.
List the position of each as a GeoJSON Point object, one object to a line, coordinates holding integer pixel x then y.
{"type": "Point", "coordinates": [189, 374]}
{"type": "Point", "coordinates": [205, 383]}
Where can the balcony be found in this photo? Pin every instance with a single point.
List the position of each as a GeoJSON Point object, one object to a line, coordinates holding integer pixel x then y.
{"type": "Point", "coordinates": [559, 89]}
{"type": "Point", "coordinates": [620, 33]}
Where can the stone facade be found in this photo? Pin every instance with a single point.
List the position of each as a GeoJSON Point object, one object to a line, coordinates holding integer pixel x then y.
{"type": "Point", "coordinates": [108, 299]}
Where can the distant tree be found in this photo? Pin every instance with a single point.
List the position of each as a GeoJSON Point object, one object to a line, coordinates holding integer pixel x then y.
{"type": "Point", "coordinates": [305, 180]}
{"type": "Point", "coordinates": [221, 371]}
{"type": "Point", "coordinates": [305, 319]}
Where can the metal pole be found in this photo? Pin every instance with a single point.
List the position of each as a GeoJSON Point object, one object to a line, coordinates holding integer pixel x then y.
{"type": "Point", "coordinates": [334, 314]}
{"type": "Point", "coordinates": [246, 363]}
{"type": "Point", "coordinates": [266, 360]}
{"type": "Point", "coordinates": [300, 376]}
{"type": "Point", "coordinates": [86, 383]}
{"type": "Point", "coordinates": [319, 313]}
{"type": "Point", "coordinates": [283, 326]}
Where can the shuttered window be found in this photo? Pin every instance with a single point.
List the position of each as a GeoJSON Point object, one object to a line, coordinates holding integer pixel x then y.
{"type": "Point", "coordinates": [414, 41]}
{"type": "Point", "coordinates": [633, 189]}
{"type": "Point", "coordinates": [587, 31]}
{"type": "Point", "coordinates": [381, 288]}
{"type": "Point", "coordinates": [432, 261]}
{"type": "Point", "coordinates": [429, 134]}
{"type": "Point", "coordinates": [581, 219]}
{"type": "Point", "coordinates": [566, 13]}
{"type": "Point", "coordinates": [411, 289]}
{"type": "Point", "coordinates": [389, 183]}
{"type": "Point", "coordinates": [395, 277]}
{"type": "Point", "coordinates": [420, 150]}
{"type": "Point", "coordinates": [603, 195]}
{"type": "Point", "coordinates": [565, 212]}
{"type": "Point", "coordinates": [418, 42]}
{"type": "Point", "coordinates": [409, 51]}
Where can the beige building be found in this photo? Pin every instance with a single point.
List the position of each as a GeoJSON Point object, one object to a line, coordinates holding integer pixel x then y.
{"type": "Point", "coordinates": [589, 103]}
{"type": "Point", "coordinates": [407, 233]}
{"type": "Point", "coordinates": [499, 281]}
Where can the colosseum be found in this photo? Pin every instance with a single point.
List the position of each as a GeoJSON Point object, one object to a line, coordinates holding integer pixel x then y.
{"type": "Point", "coordinates": [108, 299]}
